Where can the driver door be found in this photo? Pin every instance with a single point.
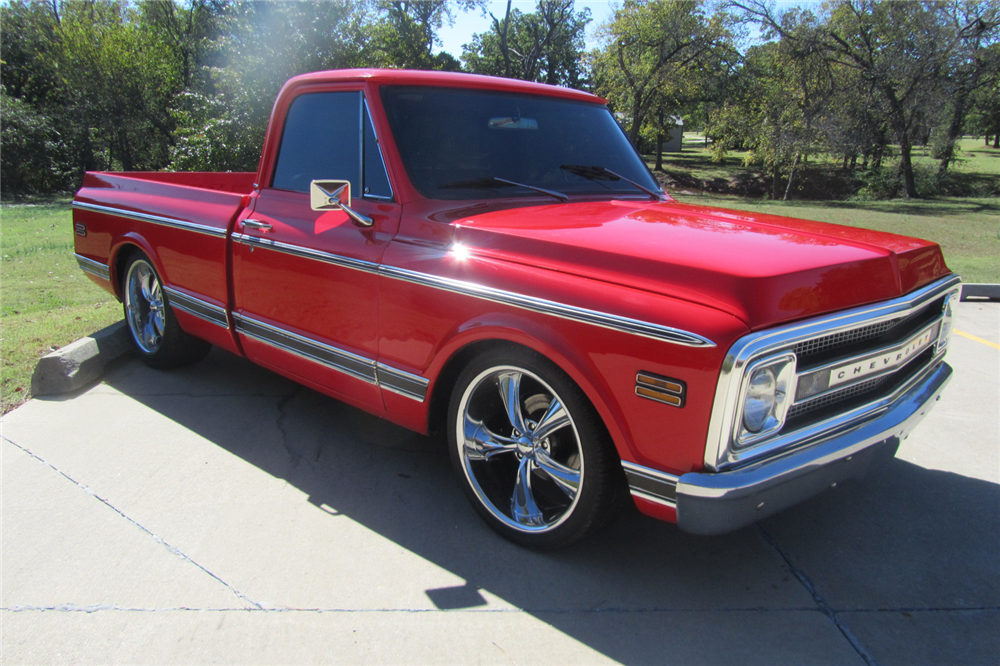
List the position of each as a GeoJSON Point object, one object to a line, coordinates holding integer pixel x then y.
{"type": "Point", "coordinates": [306, 301]}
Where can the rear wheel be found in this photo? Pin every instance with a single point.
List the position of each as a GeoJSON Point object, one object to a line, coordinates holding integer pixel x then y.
{"type": "Point", "coordinates": [156, 335]}
{"type": "Point", "coordinates": [530, 451]}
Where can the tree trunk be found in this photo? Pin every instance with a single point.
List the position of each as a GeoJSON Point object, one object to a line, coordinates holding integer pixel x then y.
{"type": "Point", "coordinates": [902, 127]}
{"type": "Point", "coordinates": [637, 118]}
{"type": "Point", "coordinates": [954, 130]}
{"type": "Point", "coordinates": [775, 182]}
{"type": "Point", "coordinates": [906, 168]}
{"type": "Point", "coordinates": [504, 48]}
{"type": "Point", "coordinates": [659, 143]}
{"type": "Point", "coordinates": [791, 178]}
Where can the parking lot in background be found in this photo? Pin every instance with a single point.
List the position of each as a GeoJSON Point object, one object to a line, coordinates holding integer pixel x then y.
{"type": "Point", "coordinates": [222, 514]}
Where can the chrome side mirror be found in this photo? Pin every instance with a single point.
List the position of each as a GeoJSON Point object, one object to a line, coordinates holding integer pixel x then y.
{"type": "Point", "coordinates": [336, 195]}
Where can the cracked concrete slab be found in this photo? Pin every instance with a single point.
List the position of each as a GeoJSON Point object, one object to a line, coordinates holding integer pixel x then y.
{"type": "Point", "coordinates": [351, 543]}
{"type": "Point", "coordinates": [64, 547]}
{"type": "Point", "coordinates": [944, 636]}
{"type": "Point", "coordinates": [329, 506]}
{"type": "Point", "coordinates": [749, 638]}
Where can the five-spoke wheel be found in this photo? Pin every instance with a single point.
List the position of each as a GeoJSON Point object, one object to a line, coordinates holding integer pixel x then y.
{"type": "Point", "coordinates": [532, 454]}
{"type": "Point", "coordinates": [158, 338]}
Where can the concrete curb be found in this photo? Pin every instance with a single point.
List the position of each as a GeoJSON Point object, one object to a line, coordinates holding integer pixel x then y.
{"type": "Point", "coordinates": [81, 362]}
{"type": "Point", "coordinates": [979, 290]}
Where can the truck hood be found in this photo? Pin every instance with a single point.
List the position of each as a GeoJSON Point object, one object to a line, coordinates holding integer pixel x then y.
{"type": "Point", "coordinates": [763, 269]}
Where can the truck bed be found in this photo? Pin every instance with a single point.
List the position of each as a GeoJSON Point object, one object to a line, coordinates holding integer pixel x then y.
{"type": "Point", "coordinates": [180, 219]}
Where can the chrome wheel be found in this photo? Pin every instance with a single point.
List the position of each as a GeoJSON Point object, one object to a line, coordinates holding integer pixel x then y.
{"type": "Point", "coordinates": [519, 449]}
{"type": "Point", "coordinates": [144, 306]}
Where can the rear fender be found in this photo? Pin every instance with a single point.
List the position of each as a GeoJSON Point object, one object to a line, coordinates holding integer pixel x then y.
{"type": "Point", "coordinates": [120, 251]}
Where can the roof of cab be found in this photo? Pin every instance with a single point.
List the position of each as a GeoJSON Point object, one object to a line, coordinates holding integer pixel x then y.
{"type": "Point", "coordinates": [407, 77]}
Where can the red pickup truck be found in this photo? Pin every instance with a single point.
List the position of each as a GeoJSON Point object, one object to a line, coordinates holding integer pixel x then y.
{"type": "Point", "coordinates": [491, 260]}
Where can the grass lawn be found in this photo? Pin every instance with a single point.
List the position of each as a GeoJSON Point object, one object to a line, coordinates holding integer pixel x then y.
{"type": "Point", "coordinates": [46, 301]}
{"type": "Point", "coordinates": [975, 172]}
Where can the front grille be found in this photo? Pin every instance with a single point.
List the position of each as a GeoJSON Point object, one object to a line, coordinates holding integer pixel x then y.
{"type": "Point", "coordinates": [811, 353]}
{"type": "Point", "coordinates": [856, 394]}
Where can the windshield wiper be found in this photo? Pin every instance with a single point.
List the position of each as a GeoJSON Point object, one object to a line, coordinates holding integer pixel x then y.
{"type": "Point", "coordinates": [495, 181]}
{"type": "Point", "coordinates": [603, 173]}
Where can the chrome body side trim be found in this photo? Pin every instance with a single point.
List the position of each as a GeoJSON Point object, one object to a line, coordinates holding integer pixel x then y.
{"type": "Point", "coordinates": [307, 348]}
{"type": "Point", "coordinates": [403, 383]}
{"type": "Point", "coordinates": [305, 252]}
{"type": "Point", "coordinates": [391, 379]}
{"type": "Point", "coordinates": [650, 484]}
{"type": "Point", "coordinates": [95, 268]}
{"type": "Point", "coordinates": [154, 219]}
{"type": "Point", "coordinates": [714, 503]}
{"type": "Point", "coordinates": [197, 307]}
{"type": "Point", "coordinates": [602, 319]}
{"type": "Point", "coordinates": [720, 450]}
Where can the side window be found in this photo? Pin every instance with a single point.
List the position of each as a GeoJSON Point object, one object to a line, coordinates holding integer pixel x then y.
{"type": "Point", "coordinates": [376, 179]}
{"type": "Point", "coordinates": [322, 140]}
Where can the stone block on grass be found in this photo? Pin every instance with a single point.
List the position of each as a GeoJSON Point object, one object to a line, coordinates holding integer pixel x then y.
{"type": "Point", "coordinates": [81, 362]}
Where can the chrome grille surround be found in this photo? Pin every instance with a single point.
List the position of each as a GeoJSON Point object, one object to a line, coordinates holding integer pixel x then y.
{"type": "Point", "coordinates": [818, 341]}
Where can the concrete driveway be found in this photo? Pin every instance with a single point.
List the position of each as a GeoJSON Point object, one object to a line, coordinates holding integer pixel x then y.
{"type": "Point", "coordinates": [221, 514]}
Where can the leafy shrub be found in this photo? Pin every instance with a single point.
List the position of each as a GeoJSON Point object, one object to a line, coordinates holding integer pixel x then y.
{"type": "Point", "coordinates": [32, 157]}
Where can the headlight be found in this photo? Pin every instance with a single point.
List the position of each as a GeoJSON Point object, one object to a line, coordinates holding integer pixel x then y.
{"type": "Point", "coordinates": [759, 403]}
{"type": "Point", "coordinates": [767, 392]}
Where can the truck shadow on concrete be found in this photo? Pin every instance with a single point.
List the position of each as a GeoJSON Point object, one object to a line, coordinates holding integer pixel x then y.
{"type": "Point", "coordinates": [905, 539]}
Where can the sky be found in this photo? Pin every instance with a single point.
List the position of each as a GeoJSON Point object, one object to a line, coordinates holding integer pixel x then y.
{"type": "Point", "coordinates": [469, 23]}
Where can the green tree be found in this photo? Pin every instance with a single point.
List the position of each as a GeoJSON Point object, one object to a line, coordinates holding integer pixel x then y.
{"type": "Point", "coordinates": [186, 28]}
{"type": "Point", "coordinates": [984, 117]}
{"type": "Point", "coordinates": [222, 117]}
{"type": "Point", "coordinates": [781, 107]}
{"type": "Point", "coordinates": [43, 143]}
{"type": "Point", "coordinates": [545, 46]}
{"type": "Point", "coordinates": [119, 79]}
{"type": "Point", "coordinates": [405, 32]}
{"type": "Point", "coordinates": [32, 159]}
{"type": "Point", "coordinates": [900, 49]}
{"type": "Point", "coordinates": [975, 26]}
{"type": "Point", "coordinates": [651, 47]}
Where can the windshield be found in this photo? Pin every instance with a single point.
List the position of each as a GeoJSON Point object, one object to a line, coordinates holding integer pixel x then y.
{"type": "Point", "coordinates": [471, 144]}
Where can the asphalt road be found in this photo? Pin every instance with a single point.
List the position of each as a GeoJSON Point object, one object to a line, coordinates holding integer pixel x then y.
{"type": "Point", "coordinates": [221, 514]}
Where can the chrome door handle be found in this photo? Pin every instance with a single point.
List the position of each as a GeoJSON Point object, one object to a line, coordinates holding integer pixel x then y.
{"type": "Point", "coordinates": [256, 224]}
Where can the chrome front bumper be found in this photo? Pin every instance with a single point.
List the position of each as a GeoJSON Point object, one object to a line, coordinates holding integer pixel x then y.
{"type": "Point", "coordinates": [715, 503]}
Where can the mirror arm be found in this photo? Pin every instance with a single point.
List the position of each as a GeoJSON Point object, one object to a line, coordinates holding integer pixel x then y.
{"type": "Point", "coordinates": [358, 218]}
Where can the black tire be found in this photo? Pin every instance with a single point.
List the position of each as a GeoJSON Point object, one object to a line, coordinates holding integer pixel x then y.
{"type": "Point", "coordinates": [156, 336]}
{"type": "Point", "coordinates": [543, 475]}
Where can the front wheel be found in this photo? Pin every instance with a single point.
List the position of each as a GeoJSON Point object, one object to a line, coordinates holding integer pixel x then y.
{"type": "Point", "coordinates": [530, 451]}
{"type": "Point", "coordinates": [156, 335]}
